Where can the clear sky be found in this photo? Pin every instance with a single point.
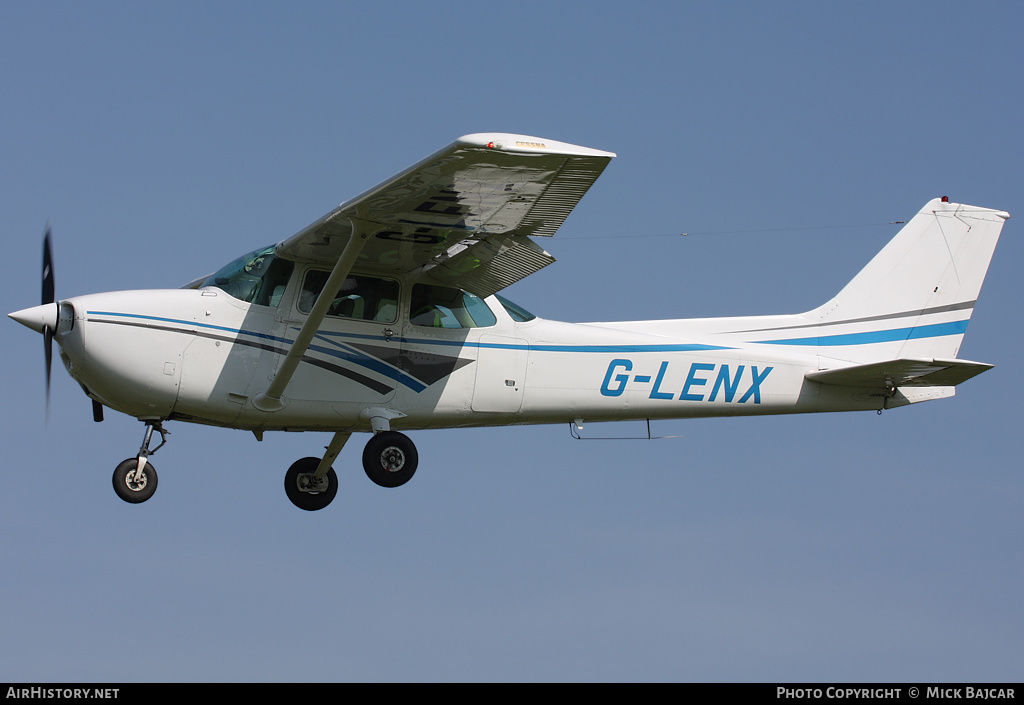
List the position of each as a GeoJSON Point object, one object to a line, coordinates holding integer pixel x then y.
{"type": "Point", "coordinates": [161, 140]}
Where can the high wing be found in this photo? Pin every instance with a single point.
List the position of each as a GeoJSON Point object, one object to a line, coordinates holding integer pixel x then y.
{"type": "Point", "coordinates": [902, 373]}
{"type": "Point", "coordinates": [463, 216]}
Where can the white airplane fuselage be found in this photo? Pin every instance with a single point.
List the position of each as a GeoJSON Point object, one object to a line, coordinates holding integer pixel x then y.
{"type": "Point", "coordinates": [201, 356]}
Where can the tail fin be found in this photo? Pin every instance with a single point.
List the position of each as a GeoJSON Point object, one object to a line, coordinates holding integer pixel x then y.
{"type": "Point", "coordinates": [914, 299]}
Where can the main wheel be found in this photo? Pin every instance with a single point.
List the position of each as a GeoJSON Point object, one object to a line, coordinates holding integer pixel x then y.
{"type": "Point", "coordinates": [304, 490]}
{"type": "Point", "coordinates": [390, 459]}
{"type": "Point", "coordinates": [133, 486]}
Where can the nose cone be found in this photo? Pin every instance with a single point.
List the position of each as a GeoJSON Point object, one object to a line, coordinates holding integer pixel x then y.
{"type": "Point", "coordinates": [37, 317]}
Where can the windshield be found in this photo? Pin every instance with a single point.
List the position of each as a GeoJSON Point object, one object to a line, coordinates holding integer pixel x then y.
{"type": "Point", "coordinates": [258, 277]}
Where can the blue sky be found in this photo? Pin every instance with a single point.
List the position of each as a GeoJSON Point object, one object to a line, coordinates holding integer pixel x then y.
{"type": "Point", "coordinates": [163, 140]}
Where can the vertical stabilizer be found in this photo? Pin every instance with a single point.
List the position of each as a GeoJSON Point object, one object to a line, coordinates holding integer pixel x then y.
{"type": "Point", "coordinates": [914, 299]}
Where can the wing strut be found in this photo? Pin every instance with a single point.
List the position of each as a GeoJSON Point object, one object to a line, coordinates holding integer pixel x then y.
{"type": "Point", "coordinates": [270, 400]}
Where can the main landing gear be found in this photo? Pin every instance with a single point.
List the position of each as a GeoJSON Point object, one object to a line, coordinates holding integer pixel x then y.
{"type": "Point", "coordinates": [135, 478]}
{"type": "Point", "coordinates": [389, 459]}
{"type": "Point", "coordinates": [305, 489]}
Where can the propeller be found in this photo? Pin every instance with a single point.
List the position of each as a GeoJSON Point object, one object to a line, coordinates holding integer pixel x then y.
{"type": "Point", "coordinates": [48, 298]}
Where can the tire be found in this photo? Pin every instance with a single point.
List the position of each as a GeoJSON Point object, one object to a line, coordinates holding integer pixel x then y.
{"type": "Point", "coordinates": [130, 489]}
{"type": "Point", "coordinates": [390, 459]}
{"type": "Point", "coordinates": [310, 501]}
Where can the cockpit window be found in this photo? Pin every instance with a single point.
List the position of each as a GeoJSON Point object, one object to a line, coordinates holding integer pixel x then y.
{"type": "Point", "coordinates": [360, 297]}
{"type": "Point", "coordinates": [257, 278]}
{"type": "Point", "coordinates": [517, 312]}
{"type": "Point", "coordinates": [443, 307]}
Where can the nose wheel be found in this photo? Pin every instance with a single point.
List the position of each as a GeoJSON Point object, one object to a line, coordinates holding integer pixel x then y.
{"type": "Point", "coordinates": [135, 482]}
{"type": "Point", "coordinates": [135, 478]}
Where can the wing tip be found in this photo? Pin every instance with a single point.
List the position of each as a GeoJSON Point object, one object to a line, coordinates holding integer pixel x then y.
{"type": "Point", "coordinates": [525, 144]}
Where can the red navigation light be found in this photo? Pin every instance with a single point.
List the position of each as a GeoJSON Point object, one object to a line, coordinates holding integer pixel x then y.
{"type": "Point", "coordinates": [490, 145]}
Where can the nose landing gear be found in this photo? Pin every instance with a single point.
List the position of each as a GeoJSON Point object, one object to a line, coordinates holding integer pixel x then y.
{"type": "Point", "coordinates": [135, 479]}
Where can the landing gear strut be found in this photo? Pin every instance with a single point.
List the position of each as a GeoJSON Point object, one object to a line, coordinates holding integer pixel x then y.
{"type": "Point", "coordinates": [135, 479]}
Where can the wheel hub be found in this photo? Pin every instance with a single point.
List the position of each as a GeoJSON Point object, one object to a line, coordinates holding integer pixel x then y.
{"type": "Point", "coordinates": [392, 459]}
{"type": "Point", "coordinates": [135, 481]}
{"type": "Point", "coordinates": [309, 482]}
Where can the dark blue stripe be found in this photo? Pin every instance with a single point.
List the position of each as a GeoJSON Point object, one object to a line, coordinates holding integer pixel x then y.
{"type": "Point", "coordinates": [371, 363]}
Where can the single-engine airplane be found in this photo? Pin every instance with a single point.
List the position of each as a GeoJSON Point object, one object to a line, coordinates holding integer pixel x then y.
{"type": "Point", "coordinates": [384, 315]}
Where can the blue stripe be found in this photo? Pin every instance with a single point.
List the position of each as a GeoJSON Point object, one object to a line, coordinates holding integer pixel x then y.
{"type": "Point", "coordinates": [883, 336]}
{"type": "Point", "coordinates": [670, 347]}
{"type": "Point", "coordinates": [191, 323]}
{"type": "Point", "coordinates": [348, 355]}
{"type": "Point", "coordinates": [360, 359]}
{"type": "Point", "coordinates": [685, 347]}
{"type": "Point", "coordinates": [371, 363]}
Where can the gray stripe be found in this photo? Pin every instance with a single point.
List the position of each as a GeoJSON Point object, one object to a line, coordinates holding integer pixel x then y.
{"type": "Point", "coordinates": [883, 317]}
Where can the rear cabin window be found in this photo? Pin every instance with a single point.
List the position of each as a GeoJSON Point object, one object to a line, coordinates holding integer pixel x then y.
{"type": "Point", "coordinates": [444, 307]}
{"type": "Point", "coordinates": [517, 312]}
{"type": "Point", "coordinates": [361, 298]}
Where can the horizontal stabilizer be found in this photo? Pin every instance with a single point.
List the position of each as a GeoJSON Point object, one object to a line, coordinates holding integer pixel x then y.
{"type": "Point", "coordinates": [901, 373]}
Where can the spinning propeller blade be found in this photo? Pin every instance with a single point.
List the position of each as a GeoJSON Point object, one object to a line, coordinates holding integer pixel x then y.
{"type": "Point", "coordinates": [48, 288]}
{"type": "Point", "coordinates": [48, 298]}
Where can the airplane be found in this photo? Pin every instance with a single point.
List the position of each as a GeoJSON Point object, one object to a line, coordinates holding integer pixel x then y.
{"type": "Point", "coordinates": [384, 316]}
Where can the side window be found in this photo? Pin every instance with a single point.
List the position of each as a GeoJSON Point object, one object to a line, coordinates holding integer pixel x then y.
{"type": "Point", "coordinates": [443, 307]}
{"type": "Point", "coordinates": [515, 311]}
{"type": "Point", "coordinates": [361, 298]}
